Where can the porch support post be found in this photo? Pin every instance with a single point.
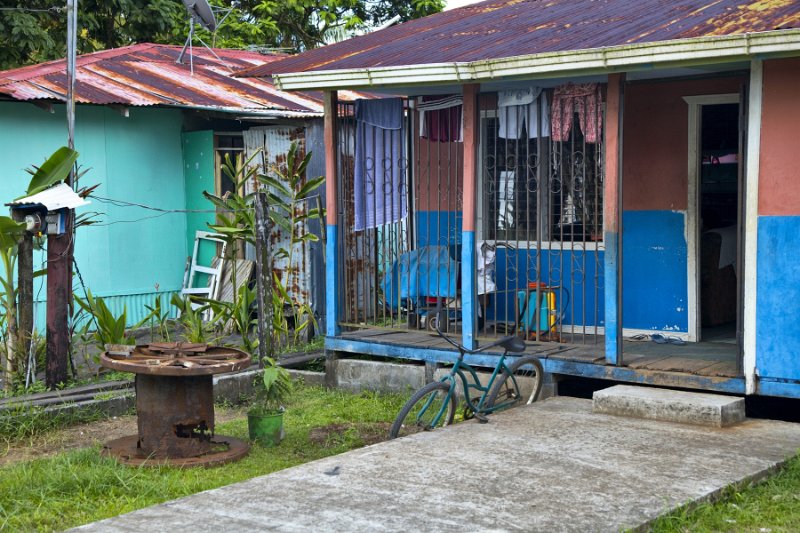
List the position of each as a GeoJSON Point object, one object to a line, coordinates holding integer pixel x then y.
{"type": "Point", "coordinates": [612, 218]}
{"type": "Point", "coordinates": [469, 288]}
{"type": "Point", "coordinates": [750, 240]}
{"type": "Point", "coordinates": [331, 215]}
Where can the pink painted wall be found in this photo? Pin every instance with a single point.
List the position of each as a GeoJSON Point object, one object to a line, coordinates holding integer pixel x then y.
{"type": "Point", "coordinates": [655, 140]}
{"type": "Point", "coordinates": [779, 178]}
{"type": "Point", "coordinates": [439, 174]}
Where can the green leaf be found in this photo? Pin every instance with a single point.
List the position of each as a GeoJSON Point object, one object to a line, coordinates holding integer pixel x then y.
{"type": "Point", "coordinates": [54, 170]}
{"type": "Point", "coordinates": [270, 376]}
{"type": "Point", "coordinates": [275, 183]}
{"type": "Point", "coordinates": [10, 232]}
{"type": "Point", "coordinates": [281, 221]}
{"type": "Point", "coordinates": [309, 187]}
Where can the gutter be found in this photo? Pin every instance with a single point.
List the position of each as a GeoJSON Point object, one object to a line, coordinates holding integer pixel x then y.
{"type": "Point", "coordinates": [679, 52]}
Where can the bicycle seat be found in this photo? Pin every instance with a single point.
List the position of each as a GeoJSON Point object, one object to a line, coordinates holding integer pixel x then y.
{"type": "Point", "coordinates": [513, 344]}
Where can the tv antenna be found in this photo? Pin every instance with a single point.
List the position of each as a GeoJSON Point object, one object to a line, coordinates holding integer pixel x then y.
{"type": "Point", "coordinates": [204, 14]}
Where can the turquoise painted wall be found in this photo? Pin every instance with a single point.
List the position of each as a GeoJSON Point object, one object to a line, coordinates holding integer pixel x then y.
{"type": "Point", "coordinates": [136, 159]}
{"type": "Point", "coordinates": [198, 160]}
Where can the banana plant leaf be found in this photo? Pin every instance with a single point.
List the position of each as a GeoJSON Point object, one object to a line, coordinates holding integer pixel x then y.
{"type": "Point", "coordinates": [54, 170]}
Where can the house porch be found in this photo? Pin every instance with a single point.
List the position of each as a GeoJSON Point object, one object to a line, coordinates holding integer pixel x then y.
{"type": "Point", "coordinates": [702, 365]}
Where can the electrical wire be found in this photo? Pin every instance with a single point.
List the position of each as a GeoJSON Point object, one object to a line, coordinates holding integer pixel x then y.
{"type": "Point", "coordinates": [105, 224]}
{"type": "Point", "coordinates": [124, 203]}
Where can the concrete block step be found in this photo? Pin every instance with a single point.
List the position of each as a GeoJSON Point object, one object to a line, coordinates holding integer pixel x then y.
{"type": "Point", "coordinates": [697, 408]}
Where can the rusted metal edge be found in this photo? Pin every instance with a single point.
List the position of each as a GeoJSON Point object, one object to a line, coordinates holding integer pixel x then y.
{"type": "Point", "coordinates": [124, 451]}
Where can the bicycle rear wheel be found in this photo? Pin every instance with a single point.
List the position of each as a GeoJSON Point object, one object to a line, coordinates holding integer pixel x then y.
{"type": "Point", "coordinates": [523, 389]}
{"type": "Point", "coordinates": [430, 407]}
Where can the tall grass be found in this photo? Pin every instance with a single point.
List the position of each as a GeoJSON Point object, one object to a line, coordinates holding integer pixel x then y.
{"type": "Point", "coordinates": [78, 487]}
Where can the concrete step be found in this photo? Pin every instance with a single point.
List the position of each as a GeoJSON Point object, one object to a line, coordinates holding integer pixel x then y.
{"type": "Point", "coordinates": [697, 408]}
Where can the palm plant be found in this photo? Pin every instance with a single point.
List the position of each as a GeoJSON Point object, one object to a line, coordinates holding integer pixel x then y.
{"type": "Point", "coordinates": [289, 193]}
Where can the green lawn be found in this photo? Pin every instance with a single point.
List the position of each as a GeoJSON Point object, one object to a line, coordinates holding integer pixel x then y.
{"type": "Point", "coordinates": [767, 507]}
{"type": "Point", "coordinates": [78, 487]}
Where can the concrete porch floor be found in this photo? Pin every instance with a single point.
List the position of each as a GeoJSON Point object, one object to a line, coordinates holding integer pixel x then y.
{"type": "Point", "coordinates": [553, 466]}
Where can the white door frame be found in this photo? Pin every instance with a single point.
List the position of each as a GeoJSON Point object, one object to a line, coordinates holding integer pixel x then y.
{"type": "Point", "coordinates": [693, 208]}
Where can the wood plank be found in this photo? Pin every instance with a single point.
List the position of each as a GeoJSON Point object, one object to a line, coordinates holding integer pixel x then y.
{"type": "Point", "coordinates": [679, 364]}
{"type": "Point", "coordinates": [644, 361]}
{"type": "Point", "coordinates": [721, 369]}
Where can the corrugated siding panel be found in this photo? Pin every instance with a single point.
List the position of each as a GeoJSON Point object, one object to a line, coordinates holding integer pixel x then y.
{"type": "Point", "coordinates": [133, 304]}
{"type": "Point", "coordinates": [276, 141]}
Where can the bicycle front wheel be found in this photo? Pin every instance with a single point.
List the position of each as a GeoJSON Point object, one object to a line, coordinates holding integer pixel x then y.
{"type": "Point", "coordinates": [523, 389]}
{"type": "Point", "coordinates": [429, 408]}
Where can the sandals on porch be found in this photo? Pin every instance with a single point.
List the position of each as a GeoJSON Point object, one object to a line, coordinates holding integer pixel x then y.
{"type": "Point", "coordinates": [666, 339]}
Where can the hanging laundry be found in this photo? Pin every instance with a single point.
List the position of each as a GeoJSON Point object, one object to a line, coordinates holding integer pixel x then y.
{"type": "Point", "coordinates": [380, 165]}
{"type": "Point", "coordinates": [441, 118]}
{"type": "Point", "coordinates": [584, 98]}
{"type": "Point", "coordinates": [523, 108]}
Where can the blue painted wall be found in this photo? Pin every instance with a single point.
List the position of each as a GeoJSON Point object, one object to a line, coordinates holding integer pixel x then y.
{"type": "Point", "coordinates": [438, 228]}
{"type": "Point", "coordinates": [655, 265]}
{"type": "Point", "coordinates": [654, 284]}
{"type": "Point", "coordinates": [580, 303]}
{"type": "Point", "coordinates": [778, 298]}
{"type": "Point", "coordinates": [136, 159]}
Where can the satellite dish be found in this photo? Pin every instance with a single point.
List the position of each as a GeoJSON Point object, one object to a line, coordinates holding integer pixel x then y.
{"type": "Point", "coordinates": [201, 11]}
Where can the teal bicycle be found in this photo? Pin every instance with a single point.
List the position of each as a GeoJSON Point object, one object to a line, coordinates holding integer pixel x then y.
{"type": "Point", "coordinates": [434, 405]}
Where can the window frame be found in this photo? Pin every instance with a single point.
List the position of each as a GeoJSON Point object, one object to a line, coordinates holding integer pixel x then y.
{"type": "Point", "coordinates": [542, 217]}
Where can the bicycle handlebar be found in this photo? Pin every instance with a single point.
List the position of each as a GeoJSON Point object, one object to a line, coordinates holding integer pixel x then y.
{"type": "Point", "coordinates": [464, 350]}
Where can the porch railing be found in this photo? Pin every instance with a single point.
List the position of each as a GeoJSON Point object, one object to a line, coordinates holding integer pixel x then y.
{"type": "Point", "coordinates": [539, 246]}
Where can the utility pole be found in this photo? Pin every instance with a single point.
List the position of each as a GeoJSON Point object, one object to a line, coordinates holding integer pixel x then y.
{"type": "Point", "coordinates": [60, 247]}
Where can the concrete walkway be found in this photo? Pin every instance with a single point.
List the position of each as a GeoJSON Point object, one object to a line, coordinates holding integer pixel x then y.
{"type": "Point", "coordinates": [553, 466]}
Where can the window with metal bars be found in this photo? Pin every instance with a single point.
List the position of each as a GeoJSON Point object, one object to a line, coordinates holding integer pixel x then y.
{"type": "Point", "coordinates": [540, 190]}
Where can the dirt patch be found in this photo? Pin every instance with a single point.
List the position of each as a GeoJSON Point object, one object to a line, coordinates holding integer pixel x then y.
{"type": "Point", "coordinates": [84, 436]}
{"type": "Point", "coordinates": [332, 435]}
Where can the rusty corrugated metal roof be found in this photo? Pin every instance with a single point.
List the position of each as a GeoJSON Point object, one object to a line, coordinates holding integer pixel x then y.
{"type": "Point", "coordinates": [507, 28]}
{"type": "Point", "coordinates": [147, 74]}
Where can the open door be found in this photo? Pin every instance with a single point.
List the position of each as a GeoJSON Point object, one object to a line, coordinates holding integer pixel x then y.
{"type": "Point", "coordinates": [716, 200]}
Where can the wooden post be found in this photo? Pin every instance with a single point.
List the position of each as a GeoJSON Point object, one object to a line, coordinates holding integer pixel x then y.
{"type": "Point", "coordinates": [469, 287]}
{"type": "Point", "coordinates": [331, 216]}
{"type": "Point", "coordinates": [332, 233]}
{"type": "Point", "coordinates": [263, 279]}
{"type": "Point", "coordinates": [59, 291]}
{"type": "Point", "coordinates": [25, 290]}
{"type": "Point", "coordinates": [612, 218]}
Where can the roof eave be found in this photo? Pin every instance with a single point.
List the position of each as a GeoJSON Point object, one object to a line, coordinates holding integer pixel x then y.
{"type": "Point", "coordinates": [679, 52]}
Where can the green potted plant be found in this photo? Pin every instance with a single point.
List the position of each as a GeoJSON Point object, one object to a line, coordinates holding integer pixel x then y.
{"type": "Point", "coordinates": [265, 417]}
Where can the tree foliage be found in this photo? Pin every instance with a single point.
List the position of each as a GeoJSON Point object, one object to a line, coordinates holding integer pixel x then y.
{"type": "Point", "coordinates": [33, 31]}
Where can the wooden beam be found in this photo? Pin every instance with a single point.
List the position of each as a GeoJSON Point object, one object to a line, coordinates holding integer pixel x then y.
{"type": "Point", "coordinates": [123, 110]}
{"type": "Point", "coordinates": [47, 107]}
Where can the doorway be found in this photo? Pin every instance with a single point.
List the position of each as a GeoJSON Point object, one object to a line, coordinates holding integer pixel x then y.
{"type": "Point", "coordinates": [718, 207]}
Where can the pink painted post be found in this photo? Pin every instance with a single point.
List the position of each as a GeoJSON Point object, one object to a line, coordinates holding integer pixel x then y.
{"type": "Point", "coordinates": [612, 218]}
{"type": "Point", "coordinates": [469, 289]}
{"type": "Point", "coordinates": [332, 212]}
{"type": "Point", "coordinates": [330, 156]}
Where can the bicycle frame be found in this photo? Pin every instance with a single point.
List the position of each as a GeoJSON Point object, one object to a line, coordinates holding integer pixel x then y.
{"type": "Point", "coordinates": [475, 384]}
